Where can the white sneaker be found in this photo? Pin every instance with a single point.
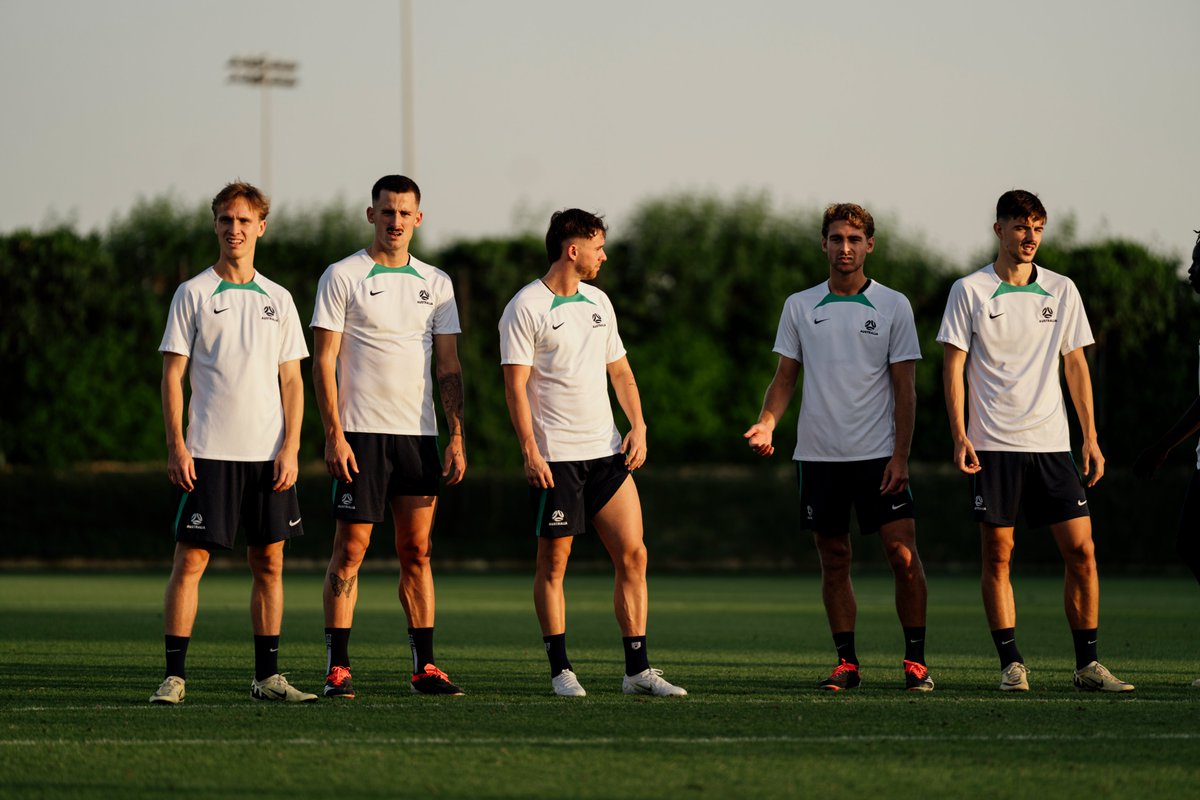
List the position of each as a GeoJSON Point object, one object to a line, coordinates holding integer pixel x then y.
{"type": "Point", "coordinates": [650, 681]}
{"type": "Point", "coordinates": [1014, 678]}
{"type": "Point", "coordinates": [567, 685]}
{"type": "Point", "coordinates": [276, 687]}
{"type": "Point", "coordinates": [170, 692]}
{"type": "Point", "coordinates": [1196, 684]}
{"type": "Point", "coordinates": [1095, 677]}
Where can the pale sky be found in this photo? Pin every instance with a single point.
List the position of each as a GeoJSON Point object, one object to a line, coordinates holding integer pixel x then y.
{"type": "Point", "coordinates": [924, 111]}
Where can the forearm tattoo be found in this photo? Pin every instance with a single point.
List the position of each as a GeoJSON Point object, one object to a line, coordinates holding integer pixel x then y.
{"type": "Point", "coordinates": [342, 586]}
{"type": "Point", "coordinates": [451, 387]}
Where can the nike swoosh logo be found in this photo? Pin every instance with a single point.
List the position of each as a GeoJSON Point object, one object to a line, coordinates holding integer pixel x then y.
{"type": "Point", "coordinates": [559, 325]}
{"type": "Point", "coordinates": [219, 310]}
{"type": "Point", "coordinates": [902, 505]}
{"type": "Point", "coordinates": [292, 524]}
{"type": "Point", "coordinates": [1010, 641]}
{"type": "Point", "coordinates": [174, 651]}
{"type": "Point", "coordinates": [819, 321]}
{"type": "Point", "coordinates": [1081, 502]}
{"type": "Point", "coordinates": [993, 316]}
{"type": "Point", "coordinates": [273, 650]}
{"type": "Point", "coordinates": [1093, 641]}
{"type": "Point", "coordinates": [914, 641]}
{"type": "Point", "coordinates": [381, 291]}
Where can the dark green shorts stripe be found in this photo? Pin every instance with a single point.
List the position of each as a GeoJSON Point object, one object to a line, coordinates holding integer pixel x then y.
{"type": "Point", "coordinates": [541, 513]}
{"type": "Point", "coordinates": [179, 512]}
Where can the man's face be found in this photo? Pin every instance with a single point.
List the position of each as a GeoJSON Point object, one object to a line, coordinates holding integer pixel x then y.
{"type": "Point", "coordinates": [589, 256]}
{"type": "Point", "coordinates": [846, 247]}
{"type": "Point", "coordinates": [395, 217]}
{"type": "Point", "coordinates": [1194, 270]}
{"type": "Point", "coordinates": [238, 227]}
{"type": "Point", "coordinates": [1020, 238]}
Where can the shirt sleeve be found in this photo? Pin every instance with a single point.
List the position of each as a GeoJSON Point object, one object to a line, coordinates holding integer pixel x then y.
{"type": "Point", "coordinates": [956, 321]}
{"type": "Point", "coordinates": [292, 346]}
{"type": "Point", "coordinates": [445, 314]}
{"type": "Point", "coordinates": [329, 309]}
{"type": "Point", "coordinates": [518, 332]}
{"type": "Point", "coordinates": [1076, 330]}
{"type": "Point", "coordinates": [904, 345]}
{"type": "Point", "coordinates": [181, 324]}
{"type": "Point", "coordinates": [787, 336]}
{"type": "Point", "coordinates": [614, 348]}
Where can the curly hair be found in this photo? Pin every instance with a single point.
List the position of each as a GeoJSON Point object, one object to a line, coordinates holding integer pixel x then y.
{"type": "Point", "coordinates": [853, 213]}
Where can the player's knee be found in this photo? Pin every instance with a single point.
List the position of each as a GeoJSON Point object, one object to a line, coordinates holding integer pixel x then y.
{"type": "Point", "coordinates": [902, 558]}
{"type": "Point", "coordinates": [1080, 556]}
{"type": "Point", "coordinates": [191, 562]}
{"type": "Point", "coordinates": [835, 553]}
{"type": "Point", "coordinates": [414, 555]}
{"type": "Point", "coordinates": [633, 560]}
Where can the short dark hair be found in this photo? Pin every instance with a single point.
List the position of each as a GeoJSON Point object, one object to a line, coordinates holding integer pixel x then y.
{"type": "Point", "coordinates": [568, 224]}
{"type": "Point", "coordinates": [395, 183]}
{"type": "Point", "coordinates": [1021, 205]}
{"type": "Point", "coordinates": [251, 194]}
{"type": "Point", "coordinates": [853, 213]}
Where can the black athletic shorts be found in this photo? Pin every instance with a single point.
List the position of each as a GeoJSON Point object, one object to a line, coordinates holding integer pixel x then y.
{"type": "Point", "coordinates": [828, 489]}
{"type": "Point", "coordinates": [581, 489]}
{"type": "Point", "coordinates": [1046, 486]}
{"type": "Point", "coordinates": [389, 465]}
{"type": "Point", "coordinates": [226, 493]}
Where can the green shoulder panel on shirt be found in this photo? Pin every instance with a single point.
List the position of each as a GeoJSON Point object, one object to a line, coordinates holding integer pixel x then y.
{"type": "Point", "coordinates": [1008, 288]}
{"type": "Point", "coordinates": [575, 298]}
{"type": "Point", "coordinates": [861, 299]}
{"type": "Point", "coordinates": [380, 269]}
{"type": "Point", "coordinates": [225, 286]}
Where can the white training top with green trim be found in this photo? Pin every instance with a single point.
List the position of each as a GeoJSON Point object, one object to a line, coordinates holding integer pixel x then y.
{"type": "Point", "coordinates": [387, 317]}
{"type": "Point", "coordinates": [1015, 338]}
{"type": "Point", "coordinates": [569, 343]}
{"type": "Point", "coordinates": [846, 344]}
{"type": "Point", "coordinates": [235, 336]}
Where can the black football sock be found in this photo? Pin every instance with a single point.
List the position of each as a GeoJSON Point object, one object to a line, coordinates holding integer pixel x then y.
{"type": "Point", "coordinates": [556, 651]}
{"type": "Point", "coordinates": [844, 643]}
{"type": "Point", "coordinates": [337, 648]}
{"type": "Point", "coordinates": [1085, 646]}
{"type": "Point", "coordinates": [1006, 646]}
{"type": "Point", "coordinates": [176, 647]}
{"type": "Point", "coordinates": [636, 659]}
{"type": "Point", "coordinates": [266, 656]}
{"type": "Point", "coordinates": [914, 644]}
{"type": "Point", "coordinates": [420, 640]}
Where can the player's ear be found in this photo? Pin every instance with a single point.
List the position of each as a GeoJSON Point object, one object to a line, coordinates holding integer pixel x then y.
{"type": "Point", "coordinates": [371, 214]}
{"type": "Point", "coordinates": [870, 244]}
{"type": "Point", "coordinates": [997, 228]}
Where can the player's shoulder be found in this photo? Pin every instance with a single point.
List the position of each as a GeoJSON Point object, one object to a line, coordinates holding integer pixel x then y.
{"type": "Point", "coordinates": [1054, 282]}
{"type": "Point", "coordinates": [199, 286]}
{"type": "Point", "coordinates": [981, 280]}
{"type": "Point", "coordinates": [807, 297]}
{"type": "Point", "coordinates": [352, 265]}
{"type": "Point", "coordinates": [533, 297]}
{"type": "Point", "coordinates": [594, 294]}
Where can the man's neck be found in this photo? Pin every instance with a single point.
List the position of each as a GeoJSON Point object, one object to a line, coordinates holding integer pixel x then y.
{"type": "Point", "coordinates": [1010, 271]}
{"type": "Point", "coordinates": [562, 279]}
{"type": "Point", "coordinates": [235, 270]}
{"type": "Point", "coordinates": [845, 285]}
{"type": "Point", "coordinates": [398, 258]}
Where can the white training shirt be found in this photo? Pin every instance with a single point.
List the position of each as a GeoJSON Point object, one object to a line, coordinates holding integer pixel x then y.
{"type": "Point", "coordinates": [388, 317]}
{"type": "Point", "coordinates": [235, 336]}
{"type": "Point", "coordinates": [846, 345]}
{"type": "Point", "coordinates": [569, 343]}
{"type": "Point", "coordinates": [1015, 337]}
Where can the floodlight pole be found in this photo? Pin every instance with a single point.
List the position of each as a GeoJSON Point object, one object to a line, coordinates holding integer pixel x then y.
{"type": "Point", "coordinates": [406, 88]}
{"type": "Point", "coordinates": [265, 73]}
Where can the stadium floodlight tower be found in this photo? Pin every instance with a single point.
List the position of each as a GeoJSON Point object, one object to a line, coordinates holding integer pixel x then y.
{"type": "Point", "coordinates": [266, 73]}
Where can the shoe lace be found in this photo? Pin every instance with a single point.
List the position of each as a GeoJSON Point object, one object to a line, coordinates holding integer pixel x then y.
{"type": "Point", "coordinates": [431, 672]}
{"type": "Point", "coordinates": [917, 670]}
{"type": "Point", "coordinates": [842, 668]}
{"type": "Point", "coordinates": [338, 676]}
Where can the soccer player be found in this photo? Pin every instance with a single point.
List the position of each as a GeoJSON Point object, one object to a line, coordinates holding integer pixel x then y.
{"type": "Point", "coordinates": [559, 348]}
{"type": "Point", "coordinates": [857, 344]}
{"type": "Point", "coordinates": [1009, 325]}
{"type": "Point", "coordinates": [1150, 459]}
{"type": "Point", "coordinates": [237, 338]}
{"type": "Point", "coordinates": [381, 318]}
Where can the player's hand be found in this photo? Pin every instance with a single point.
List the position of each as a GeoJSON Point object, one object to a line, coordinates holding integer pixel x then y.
{"type": "Point", "coordinates": [287, 468]}
{"type": "Point", "coordinates": [965, 458]}
{"type": "Point", "coordinates": [181, 469]}
{"type": "Point", "coordinates": [455, 460]}
{"type": "Point", "coordinates": [1093, 462]}
{"type": "Point", "coordinates": [339, 459]}
{"type": "Point", "coordinates": [537, 471]}
{"type": "Point", "coordinates": [895, 476]}
{"type": "Point", "coordinates": [1149, 461]}
{"type": "Point", "coordinates": [760, 437]}
{"type": "Point", "coordinates": [634, 448]}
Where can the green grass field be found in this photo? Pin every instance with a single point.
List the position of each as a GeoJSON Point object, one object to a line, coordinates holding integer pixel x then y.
{"type": "Point", "coordinates": [80, 654]}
